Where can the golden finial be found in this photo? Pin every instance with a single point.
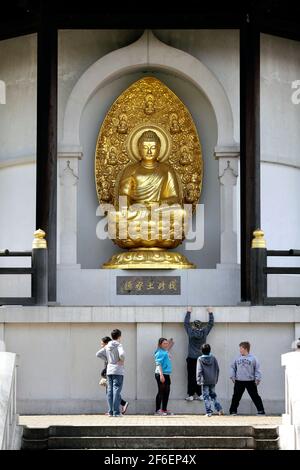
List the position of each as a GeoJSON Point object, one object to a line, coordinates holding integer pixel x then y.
{"type": "Point", "coordinates": [258, 240]}
{"type": "Point", "coordinates": [39, 239]}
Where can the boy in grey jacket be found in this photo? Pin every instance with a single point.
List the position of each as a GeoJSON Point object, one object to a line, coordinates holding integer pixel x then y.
{"type": "Point", "coordinates": [207, 375]}
{"type": "Point", "coordinates": [113, 352]}
{"type": "Point", "coordinates": [245, 374]}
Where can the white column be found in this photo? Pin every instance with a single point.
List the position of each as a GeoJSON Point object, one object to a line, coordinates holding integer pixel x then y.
{"type": "Point", "coordinates": [2, 339]}
{"type": "Point", "coordinates": [68, 178]}
{"type": "Point", "coordinates": [228, 174]}
{"type": "Point", "coordinates": [297, 331]}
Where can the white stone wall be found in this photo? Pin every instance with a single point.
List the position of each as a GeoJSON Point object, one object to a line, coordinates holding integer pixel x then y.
{"type": "Point", "coordinates": [280, 155]}
{"type": "Point", "coordinates": [280, 117]}
{"type": "Point", "coordinates": [219, 51]}
{"type": "Point", "coordinates": [289, 431]}
{"type": "Point", "coordinates": [18, 68]}
{"type": "Point", "coordinates": [280, 142]}
{"type": "Point", "coordinates": [17, 142]}
{"type": "Point", "coordinates": [58, 371]}
{"type": "Point", "coordinates": [197, 287]}
{"type": "Point", "coordinates": [78, 50]}
{"type": "Point", "coordinates": [17, 211]}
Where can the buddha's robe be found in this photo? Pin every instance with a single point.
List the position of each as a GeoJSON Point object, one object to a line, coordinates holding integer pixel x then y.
{"type": "Point", "coordinates": [149, 185]}
{"type": "Point", "coordinates": [156, 186]}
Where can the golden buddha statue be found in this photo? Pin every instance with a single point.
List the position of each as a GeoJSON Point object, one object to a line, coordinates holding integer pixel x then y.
{"type": "Point", "coordinates": [148, 165]}
{"type": "Point", "coordinates": [150, 200]}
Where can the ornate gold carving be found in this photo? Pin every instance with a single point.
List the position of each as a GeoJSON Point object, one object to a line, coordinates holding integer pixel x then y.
{"type": "Point", "coordinates": [148, 150]}
{"type": "Point", "coordinates": [258, 240]}
{"type": "Point", "coordinates": [150, 258]}
{"type": "Point", "coordinates": [127, 119]}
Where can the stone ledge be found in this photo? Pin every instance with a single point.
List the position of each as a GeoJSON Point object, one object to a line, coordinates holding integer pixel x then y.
{"type": "Point", "coordinates": [234, 314]}
{"type": "Point", "coordinates": [73, 407]}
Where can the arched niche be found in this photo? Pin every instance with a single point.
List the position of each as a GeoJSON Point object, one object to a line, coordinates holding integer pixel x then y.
{"type": "Point", "coordinates": [147, 52]}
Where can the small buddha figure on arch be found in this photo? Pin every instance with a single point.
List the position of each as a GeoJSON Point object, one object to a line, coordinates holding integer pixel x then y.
{"type": "Point", "coordinates": [149, 107]}
{"type": "Point", "coordinates": [123, 124]}
{"type": "Point", "coordinates": [112, 156]}
{"type": "Point", "coordinates": [186, 157]}
{"type": "Point", "coordinates": [174, 124]}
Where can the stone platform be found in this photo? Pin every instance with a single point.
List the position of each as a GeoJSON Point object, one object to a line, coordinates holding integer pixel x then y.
{"type": "Point", "coordinates": [150, 432]}
{"type": "Point", "coordinates": [44, 421]}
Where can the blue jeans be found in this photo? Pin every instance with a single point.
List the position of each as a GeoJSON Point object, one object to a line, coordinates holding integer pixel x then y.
{"type": "Point", "coordinates": [209, 395]}
{"type": "Point", "coordinates": [114, 388]}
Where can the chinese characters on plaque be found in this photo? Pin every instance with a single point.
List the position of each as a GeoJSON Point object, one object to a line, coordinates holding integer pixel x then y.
{"type": "Point", "coordinates": [148, 285]}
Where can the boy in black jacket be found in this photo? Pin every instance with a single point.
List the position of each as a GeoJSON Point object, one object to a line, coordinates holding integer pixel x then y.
{"type": "Point", "coordinates": [197, 334]}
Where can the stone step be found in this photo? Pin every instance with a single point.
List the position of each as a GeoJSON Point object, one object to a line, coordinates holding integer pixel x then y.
{"type": "Point", "coordinates": [151, 437]}
{"type": "Point", "coordinates": [161, 450]}
{"type": "Point", "coordinates": [148, 430]}
{"type": "Point", "coordinates": [178, 442]}
{"type": "Point", "coordinates": [267, 444]}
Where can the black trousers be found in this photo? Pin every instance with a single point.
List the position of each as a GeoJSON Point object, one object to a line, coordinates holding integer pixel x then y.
{"type": "Point", "coordinates": [193, 387]}
{"type": "Point", "coordinates": [239, 388]}
{"type": "Point", "coordinates": [163, 393]}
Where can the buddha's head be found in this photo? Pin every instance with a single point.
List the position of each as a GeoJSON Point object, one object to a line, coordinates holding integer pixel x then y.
{"type": "Point", "coordinates": [149, 146]}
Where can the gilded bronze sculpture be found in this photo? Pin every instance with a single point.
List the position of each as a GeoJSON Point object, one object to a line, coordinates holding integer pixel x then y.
{"type": "Point", "coordinates": [148, 166]}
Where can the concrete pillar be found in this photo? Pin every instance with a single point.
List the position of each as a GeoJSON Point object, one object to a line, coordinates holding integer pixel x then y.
{"type": "Point", "coordinates": [297, 330]}
{"type": "Point", "coordinates": [2, 339]}
{"type": "Point", "coordinates": [228, 174]}
{"type": "Point", "coordinates": [68, 175]}
{"type": "Point", "coordinates": [145, 366]}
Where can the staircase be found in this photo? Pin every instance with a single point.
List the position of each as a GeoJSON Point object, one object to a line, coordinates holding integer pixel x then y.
{"type": "Point", "coordinates": [151, 437]}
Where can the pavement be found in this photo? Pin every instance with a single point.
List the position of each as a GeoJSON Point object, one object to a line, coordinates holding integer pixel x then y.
{"type": "Point", "coordinates": [44, 421]}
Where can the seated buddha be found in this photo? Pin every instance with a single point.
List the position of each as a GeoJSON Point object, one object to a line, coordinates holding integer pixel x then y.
{"type": "Point", "coordinates": [149, 201]}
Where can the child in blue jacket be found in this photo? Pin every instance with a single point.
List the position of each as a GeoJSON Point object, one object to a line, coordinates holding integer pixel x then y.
{"type": "Point", "coordinates": [163, 370]}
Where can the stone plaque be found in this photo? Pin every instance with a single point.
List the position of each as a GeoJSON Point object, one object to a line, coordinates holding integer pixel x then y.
{"type": "Point", "coordinates": [148, 285]}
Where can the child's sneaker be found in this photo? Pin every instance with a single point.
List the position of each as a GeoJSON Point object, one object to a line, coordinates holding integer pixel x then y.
{"type": "Point", "coordinates": [191, 398]}
{"type": "Point", "coordinates": [124, 408]}
{"type": "Point", "coordinates": [198, 397]}
{"type": "Point", "coordinates": [158, 413]}
{"type": "Point", "coordinates": [169, 413]}
{"type": "Point", "coordinates": [208, 415]}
